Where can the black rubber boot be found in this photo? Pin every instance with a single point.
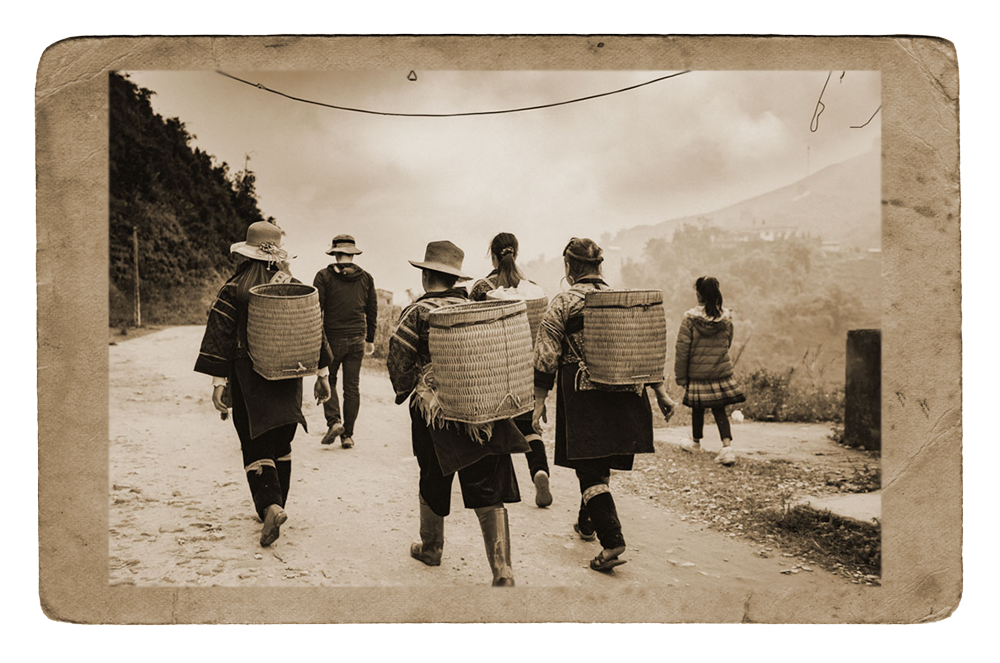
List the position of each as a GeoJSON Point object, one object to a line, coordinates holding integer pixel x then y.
{"type": "Point", "coordinates": [431, 545]}
{"type": "Point", "coordinates": [496, 536]}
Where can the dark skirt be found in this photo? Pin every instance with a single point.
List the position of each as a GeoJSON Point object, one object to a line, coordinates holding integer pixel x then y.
{"type": "Point", "coordinates": [269, 403]}
{"type": "Point", "coordinates": [488, 481]}
{"type": "Point", "coordinates": [455, 449]}
{"type": "Point", "coordinates": [600, 424]}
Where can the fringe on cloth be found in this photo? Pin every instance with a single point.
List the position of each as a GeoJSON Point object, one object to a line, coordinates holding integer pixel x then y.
{"type": "Point", "coordinates": [429, 406]}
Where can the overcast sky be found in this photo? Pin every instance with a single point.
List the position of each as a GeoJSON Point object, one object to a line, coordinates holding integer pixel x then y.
{"type": "Point", "coordinates": [682, 146]}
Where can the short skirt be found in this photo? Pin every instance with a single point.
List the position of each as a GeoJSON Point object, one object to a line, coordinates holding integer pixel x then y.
{"type": "Point", "coordinates": [713, 393]}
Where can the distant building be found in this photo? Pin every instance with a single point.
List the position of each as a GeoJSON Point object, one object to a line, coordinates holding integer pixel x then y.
{"type": "Point", "coordinates": [830, 247]}
{"type": "Point", "coordinates": [384, 297]}
{"type": "Point", "coordinates": [763, 232]}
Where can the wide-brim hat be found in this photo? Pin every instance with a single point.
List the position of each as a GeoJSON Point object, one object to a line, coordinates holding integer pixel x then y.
{"type": "Point", "coordinates": [444, 257]}
{"type": "Point", "coordinates": [343, 244]}
{"type": "Point", "coordinates": [263, 242]}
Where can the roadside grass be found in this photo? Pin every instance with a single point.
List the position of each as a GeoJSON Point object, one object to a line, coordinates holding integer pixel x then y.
{"type": "Point", "coordinates": [755, 500]}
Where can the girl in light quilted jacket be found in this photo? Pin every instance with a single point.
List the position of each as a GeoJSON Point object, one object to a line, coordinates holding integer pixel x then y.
{"type": "Point", "coordinates": [703, 367]}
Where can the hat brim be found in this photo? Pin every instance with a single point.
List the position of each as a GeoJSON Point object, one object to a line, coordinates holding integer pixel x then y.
{"type": "Point", "coordinates": [349, 251]}
{"type": "Point", "coordinates": [245, 249]}
{"type": "Point", "coordinates": [441, 267]}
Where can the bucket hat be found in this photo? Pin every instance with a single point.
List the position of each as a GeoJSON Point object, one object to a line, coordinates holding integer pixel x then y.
{"type": "Point", "coordinates": [343, 244]}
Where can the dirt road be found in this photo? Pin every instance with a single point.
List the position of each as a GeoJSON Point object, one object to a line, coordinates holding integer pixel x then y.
{"type": "Point", "coordinates": [180, 509]}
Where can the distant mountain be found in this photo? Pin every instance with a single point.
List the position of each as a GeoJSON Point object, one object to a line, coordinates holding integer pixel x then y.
{"type": "Point", "coordinates": [840, 203]}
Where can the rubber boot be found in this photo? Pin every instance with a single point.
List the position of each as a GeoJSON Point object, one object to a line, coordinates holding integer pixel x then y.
{"type": "Point", "coordinates": [496, 536]}
{"type": "Point", "coordinates": [609, 530]}
{"type": "Point", "coordinates": [431, 544]}
{"type": "Point", "coordinates": [284, 468]}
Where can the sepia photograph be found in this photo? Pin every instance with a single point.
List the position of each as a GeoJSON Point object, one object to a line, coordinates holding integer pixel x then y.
{"type": "Point", "coordinates": [499, 329]}
{"type": "Point", "coordinates": [331, 292]}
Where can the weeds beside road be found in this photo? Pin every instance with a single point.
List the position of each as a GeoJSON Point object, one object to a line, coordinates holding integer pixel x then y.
{"type": "Point", "coordinates": [754, 500]}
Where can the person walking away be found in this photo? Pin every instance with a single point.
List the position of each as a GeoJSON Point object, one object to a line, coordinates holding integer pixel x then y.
{"type": "Point", "coordinates": [703, 367]}
{"type": "Point", "coordinates": [597, 430]}
{"type": "Point", "coordinates": [479, 455]}
{"type": "Point", "coordinates": [265, 412]}
{"type": "Point", "coordinates": [506, 274]}
{"type": "Point", "coordinates": [350, 316]}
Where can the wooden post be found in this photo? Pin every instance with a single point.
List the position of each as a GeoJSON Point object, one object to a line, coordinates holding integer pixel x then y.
{"type": "Point", "coordinates": [863, 390]}
{"type": "Point", "coordinates": [135, 246]}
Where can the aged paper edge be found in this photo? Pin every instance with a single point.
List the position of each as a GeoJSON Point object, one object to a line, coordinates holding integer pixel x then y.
{"type": "Point", "coordinates": [922, 424]}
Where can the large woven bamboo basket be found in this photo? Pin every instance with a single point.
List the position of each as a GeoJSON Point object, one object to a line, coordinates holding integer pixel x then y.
{"type": "Point", "coordinates": [624, 336]}
{"type": "Point", "coordinates": [536, 311]}
{"type": "Point", "coordinates": [284, 330]}
{"type": "Point", "coordinates": [481, 353]}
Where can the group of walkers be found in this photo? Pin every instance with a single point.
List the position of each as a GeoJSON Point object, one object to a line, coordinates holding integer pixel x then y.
{"type": "Point", "coordinates": [597, 428]}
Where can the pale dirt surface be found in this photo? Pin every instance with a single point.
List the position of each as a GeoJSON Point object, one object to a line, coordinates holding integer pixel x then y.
{"type": "Point", "coordinates": [181, 514]}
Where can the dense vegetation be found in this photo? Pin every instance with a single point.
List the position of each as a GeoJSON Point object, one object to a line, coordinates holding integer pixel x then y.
{"type": "Point", "coordinates": [793, 304]}
{"type": "Point", "coordinates": [186, 208]}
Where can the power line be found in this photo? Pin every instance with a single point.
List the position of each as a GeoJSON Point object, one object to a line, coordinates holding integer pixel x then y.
{"type": "Point", "coordinates": [869, 119]}
{"type": "Point", "coordinates": [263, 87]}
{"type": "Point", "coordinates": [820, 106]}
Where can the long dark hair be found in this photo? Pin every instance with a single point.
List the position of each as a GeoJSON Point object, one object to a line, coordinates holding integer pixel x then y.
{"type": "Point", "coordinates": [251, 272]}
{"type": "Point", "coordinates": [584, 257]}
{"type": "Point", "coordinates": [504, 249]}
{"type": "Point", "coordinates": [708, 289]}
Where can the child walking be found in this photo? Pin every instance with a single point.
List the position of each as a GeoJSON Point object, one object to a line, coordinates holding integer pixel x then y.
{"type": "Point", "coordinates": [703, 367]}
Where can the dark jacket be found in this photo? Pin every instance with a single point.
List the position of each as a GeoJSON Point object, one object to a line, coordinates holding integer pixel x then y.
{"type": "Point", "coordinates": [223, 353]}
{"type": "Point", "coordinates": [702, 350]}
{"type": "Point", "coordinates": [349, 302]}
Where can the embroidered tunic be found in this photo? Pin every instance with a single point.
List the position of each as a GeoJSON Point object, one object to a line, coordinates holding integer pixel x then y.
{"type": "Point", "coordinates": [409, 362]}
{"type": "Point", "coordinates": [223, 353]}
{"type": "Point", "coordinates": [612, 423]}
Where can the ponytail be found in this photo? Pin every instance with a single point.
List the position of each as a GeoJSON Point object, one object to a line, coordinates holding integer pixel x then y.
{"type": "Point", "coordinates": [708, 289]}
{"type": "Point", "coordinates": [504, 249]}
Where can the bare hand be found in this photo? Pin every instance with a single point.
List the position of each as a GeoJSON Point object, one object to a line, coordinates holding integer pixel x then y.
{"type": "Point", "coordinates": [322, 390]}
{"type": "Point", "coordinates": [369, 349]}
{"type": "Point", "coordinates": [538, 416]}
{"type": "Point", "coordinates": [667, 406]}
{"type": "Point", "coordinates": [220, 398]}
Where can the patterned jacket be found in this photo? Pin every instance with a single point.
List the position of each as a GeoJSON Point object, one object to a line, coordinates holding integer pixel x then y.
{"type": "Point", "coordinates": [560, 336]}
{"type": "Point", "coordinates": [479, 289]}
{"type": "Point", "coordinates": [225, 338]}
{"type": "Point", "coordinates": [409, 352]}
{"type": "Point", "coordinates": [702, 350]}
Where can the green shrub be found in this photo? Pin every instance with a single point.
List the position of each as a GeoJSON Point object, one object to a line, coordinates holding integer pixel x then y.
{"type": "Point", "coordinates": [774, 396]}
{"type": "Point", "coordinates": [387, 317]}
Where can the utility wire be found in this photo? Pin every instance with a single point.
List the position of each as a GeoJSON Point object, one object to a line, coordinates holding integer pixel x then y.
{"type": "Point", "coordinates": [261, 86]}
{"type": "Point", "coordinates": [869, 119]}
{"type": "Point", "coordinates": [820, 106]}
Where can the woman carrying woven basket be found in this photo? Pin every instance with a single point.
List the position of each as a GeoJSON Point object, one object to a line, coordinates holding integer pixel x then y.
{"type": "Point", "coordinates": [480, 456]}
{"type": "Point", "coordinates": [597, 430]}
{"type": "Point", "coordinates": [265, 412]}
{"type": "Point", "coordinates": [506, 274]}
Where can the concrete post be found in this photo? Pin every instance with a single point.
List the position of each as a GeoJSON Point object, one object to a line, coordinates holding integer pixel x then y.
{"type": "Point", "coordinates": [863, 390]}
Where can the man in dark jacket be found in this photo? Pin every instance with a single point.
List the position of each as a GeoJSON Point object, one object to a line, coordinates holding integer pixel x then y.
{"type": "Point", "coordinates": [350, 309]}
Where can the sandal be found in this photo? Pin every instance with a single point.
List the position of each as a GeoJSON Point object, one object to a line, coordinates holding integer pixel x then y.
{"type": "Point", "coordinates": [606, 562]}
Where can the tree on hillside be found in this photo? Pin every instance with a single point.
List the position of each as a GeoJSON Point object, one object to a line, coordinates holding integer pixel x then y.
{"type": "Point", "coordinates": [186, 209]}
